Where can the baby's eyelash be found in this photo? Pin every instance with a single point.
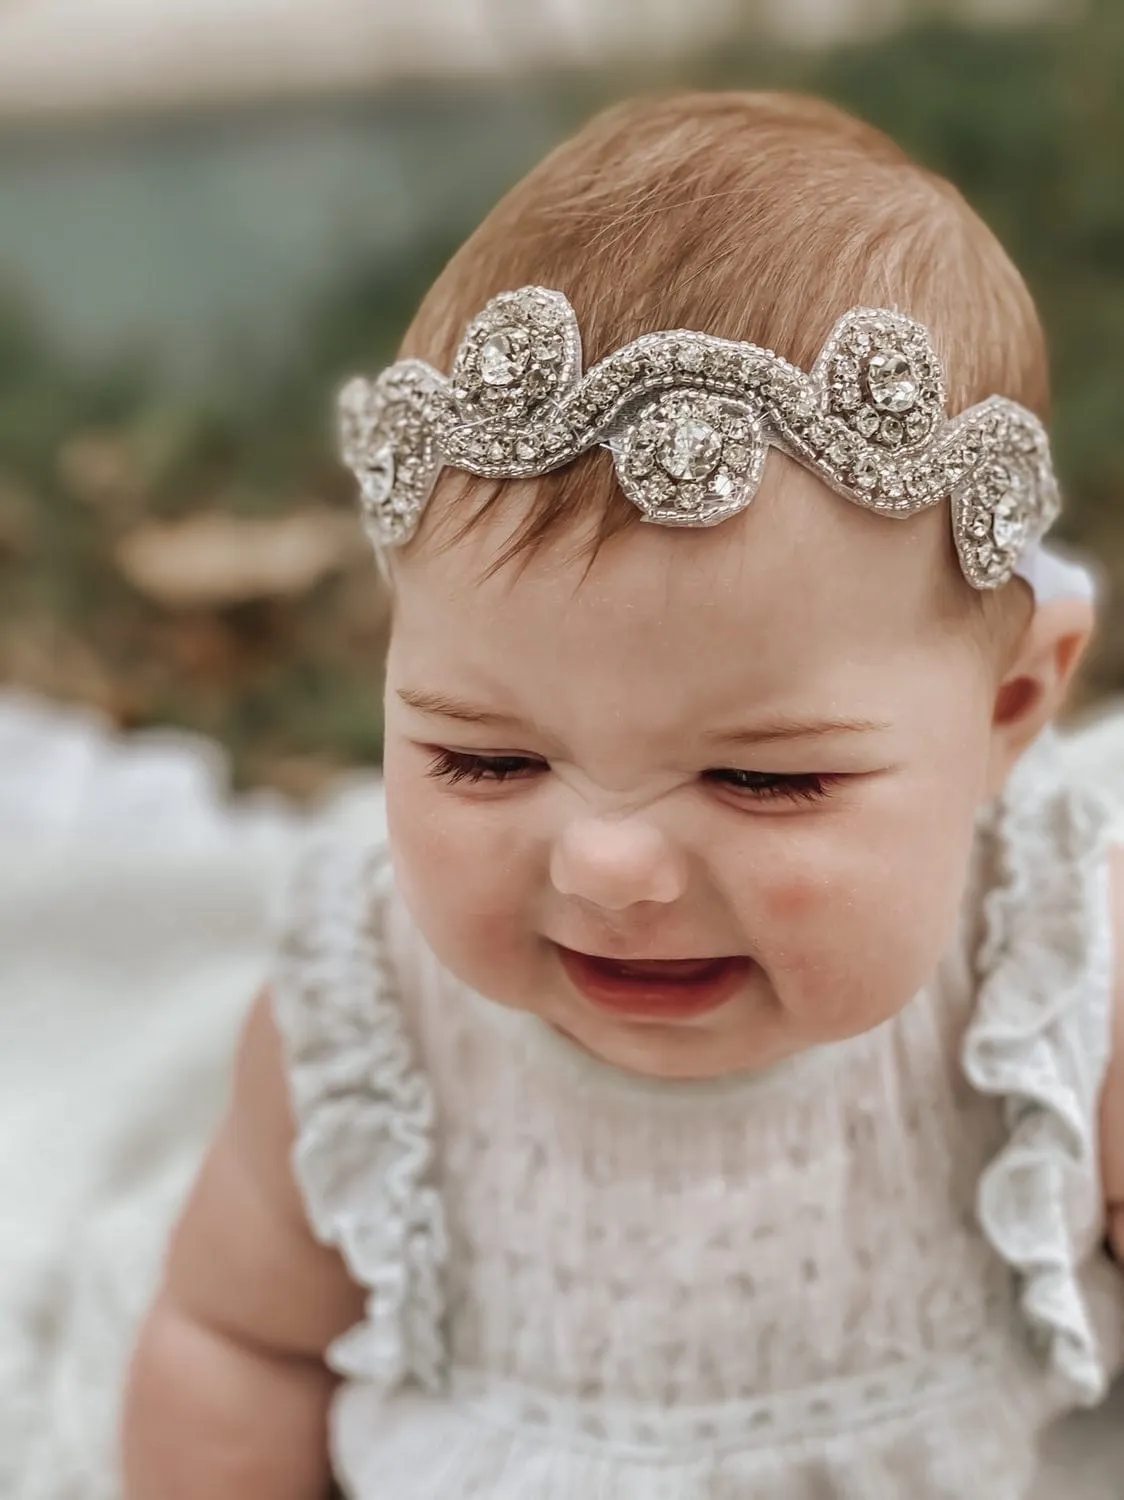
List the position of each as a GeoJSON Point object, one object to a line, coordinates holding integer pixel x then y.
{"type": "Point", "coordinates": [808, 786]}
{"type": "Point", "coordinates": [455, 766]}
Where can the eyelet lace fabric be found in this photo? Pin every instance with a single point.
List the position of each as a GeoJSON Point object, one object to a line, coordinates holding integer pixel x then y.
{"type": "Point", "coordinates": [364, 1153]}
{"type": "Point", "coordinates": [1039, 1041]}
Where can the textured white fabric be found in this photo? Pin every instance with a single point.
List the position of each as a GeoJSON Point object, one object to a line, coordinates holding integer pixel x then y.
{"type": "Point", "coordinates": [585, 1284]}
{"type": "Point", "coordinates": [1037, 1042]}
{"type": "Point", "coordinates": [364, 1159]}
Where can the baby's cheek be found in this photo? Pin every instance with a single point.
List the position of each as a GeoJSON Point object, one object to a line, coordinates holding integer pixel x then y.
{"type": "Point", "coordinates": [424, 843]}
{"type": "Point", "coordinates": [462, 891]}
{"type": "Point", "coordinates": [484, 940]}
{"type": "Point", "coordinates": [835, 964]}
{"type": "Point", "coordinates": [794, 900]}
{"type": "Point", "coordinates": [804, 916]}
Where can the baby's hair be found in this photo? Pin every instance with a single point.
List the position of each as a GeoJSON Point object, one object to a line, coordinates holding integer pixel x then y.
{"type": "Point", "coordinates": [758, 216]}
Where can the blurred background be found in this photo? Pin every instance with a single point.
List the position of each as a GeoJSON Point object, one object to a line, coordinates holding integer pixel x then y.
{"type": "Point", "coordinates": [210, 210]}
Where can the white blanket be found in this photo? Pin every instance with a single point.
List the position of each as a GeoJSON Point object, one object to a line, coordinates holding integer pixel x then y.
{"type": "Point", "coordinates": [136, 909]}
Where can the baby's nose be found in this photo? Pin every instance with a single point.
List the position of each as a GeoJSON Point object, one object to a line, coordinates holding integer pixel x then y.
{"type": "Point", "coordinates": [616, 863]}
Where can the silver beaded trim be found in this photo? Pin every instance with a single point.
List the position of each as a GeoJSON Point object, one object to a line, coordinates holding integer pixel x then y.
{"type": "Point", "coordinates": [689, 419]}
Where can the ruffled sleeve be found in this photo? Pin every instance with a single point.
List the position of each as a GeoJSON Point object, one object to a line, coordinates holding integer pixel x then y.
{"type": "Point", "coordinates": [1039, 1041]}
{"type": "Point", "coordinates": [364, 1152]}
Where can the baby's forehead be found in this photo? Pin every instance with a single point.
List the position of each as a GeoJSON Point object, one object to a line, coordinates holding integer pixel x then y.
{"type": "Point", "coordinates": [668, 638]}
{"type": "Point", "coordinates": [800, 566]}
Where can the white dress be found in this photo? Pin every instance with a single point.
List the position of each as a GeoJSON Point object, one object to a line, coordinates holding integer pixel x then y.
{"type": "Point", "coordinates": [873, 1272]}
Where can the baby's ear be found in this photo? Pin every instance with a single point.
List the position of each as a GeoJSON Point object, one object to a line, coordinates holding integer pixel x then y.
{"type": "Point", "coordinates": [1034, 685]}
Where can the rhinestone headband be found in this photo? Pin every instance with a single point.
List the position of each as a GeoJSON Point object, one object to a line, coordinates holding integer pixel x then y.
{"type": "Point", "coordinates": [689, 419]}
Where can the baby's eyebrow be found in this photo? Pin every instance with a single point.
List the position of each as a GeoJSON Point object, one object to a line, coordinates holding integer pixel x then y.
{"type": "Point", "coordinates": [456, 708]}
{"type": "Point", "coordinates": [757, 734]}
{"type": "Point", "coordinates": [794, 729]}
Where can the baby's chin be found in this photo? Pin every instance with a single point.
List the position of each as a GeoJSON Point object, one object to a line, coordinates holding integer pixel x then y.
{"type": "Point", "coordinates": [747, 1036]}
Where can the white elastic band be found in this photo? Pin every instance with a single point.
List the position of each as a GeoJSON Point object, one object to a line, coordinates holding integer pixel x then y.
{"type": "Point", "coordinates": [1054, 576]}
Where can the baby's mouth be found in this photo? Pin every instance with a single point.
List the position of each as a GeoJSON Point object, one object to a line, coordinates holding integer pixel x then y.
{"type": "Point", "coordinates": [655, 989]}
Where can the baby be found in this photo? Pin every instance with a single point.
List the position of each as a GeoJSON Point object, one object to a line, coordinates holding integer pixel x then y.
{"type": "Point", "coordinates": [710, 1092]}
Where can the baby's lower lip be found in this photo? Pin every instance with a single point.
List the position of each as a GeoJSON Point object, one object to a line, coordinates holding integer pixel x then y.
{"type": "Point", "coordinates": [675, 990]}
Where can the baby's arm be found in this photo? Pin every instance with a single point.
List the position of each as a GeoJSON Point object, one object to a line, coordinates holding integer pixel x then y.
{"type": "Point", "coordinates": [1112, 1100]}
{"type": "Point", "coordinates": [228, 1394]}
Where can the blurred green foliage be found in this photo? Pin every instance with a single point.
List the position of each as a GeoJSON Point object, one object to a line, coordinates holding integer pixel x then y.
{"type": "Point", "coordinates": [1029, 124]}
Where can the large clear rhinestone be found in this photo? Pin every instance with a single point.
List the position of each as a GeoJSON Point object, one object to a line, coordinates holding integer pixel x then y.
{"type": "Point", "coordinates": [892, 384]}
{"type": "Point", "coordinates": [691, 449]}
{"type": "Point", "coordinates": [376, 479]}
{"type": "Point", "coordinates": [503, 357]}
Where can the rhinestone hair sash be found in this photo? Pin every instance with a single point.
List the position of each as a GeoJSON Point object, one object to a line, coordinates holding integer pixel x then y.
{"type": "Point", "coordinates": [689, 419]}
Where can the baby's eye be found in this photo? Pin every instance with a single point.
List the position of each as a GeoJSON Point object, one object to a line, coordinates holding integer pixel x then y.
{"type": "Point", "coordinates": [454, 766]}
{"type": "Point", "coordinates": [761, 786]}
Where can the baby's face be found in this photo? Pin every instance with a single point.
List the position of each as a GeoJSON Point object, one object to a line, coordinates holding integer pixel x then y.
{"type": "Point", "coordinates": [763, 743]}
